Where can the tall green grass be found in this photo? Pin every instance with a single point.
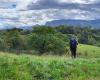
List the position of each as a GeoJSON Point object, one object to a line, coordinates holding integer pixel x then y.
{"type": "Point", "coordinates": [27, 67]}
{"type": "Point", "coordinates": [88, 51]}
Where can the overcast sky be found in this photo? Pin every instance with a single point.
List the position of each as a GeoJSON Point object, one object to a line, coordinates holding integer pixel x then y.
{"type": "Point", "coordinates": [31, 12]}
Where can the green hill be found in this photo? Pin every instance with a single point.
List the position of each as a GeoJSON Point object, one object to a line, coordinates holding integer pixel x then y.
{"type": "Point", "coordinates": [88, 51]}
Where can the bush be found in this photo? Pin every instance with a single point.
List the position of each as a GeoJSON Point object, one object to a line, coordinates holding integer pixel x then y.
{"type": "Point", "coordinates": [48, 41]}
{"type": "Point", "coordinates": [15, 40]}
{"type": "Point", "coordinates": [3, 44]}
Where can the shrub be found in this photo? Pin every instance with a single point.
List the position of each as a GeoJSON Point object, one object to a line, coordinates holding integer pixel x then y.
{"type": "Point", "coordinates": [48, 41]}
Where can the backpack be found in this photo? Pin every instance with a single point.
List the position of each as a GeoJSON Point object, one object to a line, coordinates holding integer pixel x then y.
{"type": "Point", "coordinates": [73, 43]}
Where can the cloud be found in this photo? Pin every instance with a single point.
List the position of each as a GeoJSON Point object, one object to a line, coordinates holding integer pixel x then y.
{"type": "Point", "coordinates": [32, 12]}
{"type": "Point", "coordinates": [64, 4]}
{"type": "Point", "coordinates": [33, 17]}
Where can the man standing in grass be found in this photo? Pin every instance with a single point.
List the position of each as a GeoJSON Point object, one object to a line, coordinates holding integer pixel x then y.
{"type": "Point", "coordinates": [73, 47]}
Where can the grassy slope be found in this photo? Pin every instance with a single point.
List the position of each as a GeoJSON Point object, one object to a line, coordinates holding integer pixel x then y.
{"type": "Point", "coordinates": [88, 51]}
{"type": "Point", "coordinates": [25, 67]}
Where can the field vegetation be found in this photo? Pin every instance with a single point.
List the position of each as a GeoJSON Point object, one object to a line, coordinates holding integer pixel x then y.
{"type": "Point", "coordinates": [43, 54]}
{"type": "Point", "coordinates": [28, 67]}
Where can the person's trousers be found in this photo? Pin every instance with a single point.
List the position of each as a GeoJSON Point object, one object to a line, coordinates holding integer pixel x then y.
{"type": "Point", "coordinates": [73, 52]}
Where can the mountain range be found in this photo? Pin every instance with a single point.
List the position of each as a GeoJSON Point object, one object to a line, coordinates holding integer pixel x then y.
{"type": "Point", "coordinates": [68, 22]}
{"type": "Point", "coordinates": [81, 23]}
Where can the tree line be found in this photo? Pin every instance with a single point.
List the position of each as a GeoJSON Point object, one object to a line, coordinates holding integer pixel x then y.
{"type": "Point", "coordinates": [85, 35]}
{"type": "Point", "coordinates": [45, 39]}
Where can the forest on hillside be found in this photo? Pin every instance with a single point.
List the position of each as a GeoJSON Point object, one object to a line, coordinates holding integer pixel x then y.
{"type": "Point", "coordinates": [45, 39]}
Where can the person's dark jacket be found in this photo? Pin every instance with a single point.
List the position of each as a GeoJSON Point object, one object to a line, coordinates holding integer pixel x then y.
{"type": "Point", "coordinates": [73, 43]}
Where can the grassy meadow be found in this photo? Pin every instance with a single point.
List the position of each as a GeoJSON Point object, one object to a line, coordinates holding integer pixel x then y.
{"type": "Point", "coordinates": [88, 51]}
{"type": "Point", "coordinates": [31, 67]}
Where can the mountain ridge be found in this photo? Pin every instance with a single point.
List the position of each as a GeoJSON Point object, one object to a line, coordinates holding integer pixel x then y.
{"type": "Point", "coordinates": [71, 22]}
{"type": "Point", "coordinates": [66, 22]}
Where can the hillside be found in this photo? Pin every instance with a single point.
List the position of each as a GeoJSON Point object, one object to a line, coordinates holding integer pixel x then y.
{"type": "Point", "coordinates": [88, 51]}
{"type": "Point", "coordinates": [82, 23]}
{"type": "Point", "coordinates": [68, 22]}
{"type": "Point", "coordinates": [45, 67]}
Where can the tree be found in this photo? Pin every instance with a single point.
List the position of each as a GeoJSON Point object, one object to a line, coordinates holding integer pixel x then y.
{"type": "Point", "coordinates": [46, 39]}
{"type": "Point", "coordinates": [14, 40]}
{"type": "Point", "coordinates": [3, 44]}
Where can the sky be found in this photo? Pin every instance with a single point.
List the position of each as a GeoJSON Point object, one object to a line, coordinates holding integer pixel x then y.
{"type": "Point", "coordinates": [32, 12]}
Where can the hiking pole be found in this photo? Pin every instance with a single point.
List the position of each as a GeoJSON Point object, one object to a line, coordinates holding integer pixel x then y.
{"type": "Point", "coordinates": [68, 51]}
